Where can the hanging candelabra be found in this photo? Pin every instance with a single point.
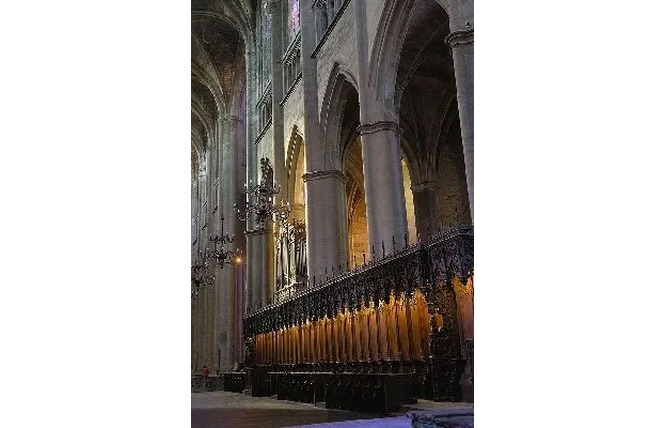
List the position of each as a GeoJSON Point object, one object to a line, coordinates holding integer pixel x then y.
{"type": "Point", "coordinates": [219, 254]}
{"type": "Point", "coordinates": [201, 277]}
{"type": "Point", "coordinates": [259, 200]}
{"type": "Point", "coordinates": [216, 255]}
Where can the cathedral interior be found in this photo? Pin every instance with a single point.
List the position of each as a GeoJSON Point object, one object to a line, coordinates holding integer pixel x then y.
{"type": "Point", "coordinates": [332, 199]}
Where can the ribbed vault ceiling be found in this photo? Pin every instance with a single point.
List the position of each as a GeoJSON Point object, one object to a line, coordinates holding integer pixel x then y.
{"type": "Point", "coordinates": [224, 47]}
{"type": "Point", "coordinates": [426, 85]}
{"type": "Point", "coordinates": [218, 28]}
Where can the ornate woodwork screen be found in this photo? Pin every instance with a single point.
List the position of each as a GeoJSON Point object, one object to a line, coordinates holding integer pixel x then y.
{"type": "Point", "coordinates": [397, 314]}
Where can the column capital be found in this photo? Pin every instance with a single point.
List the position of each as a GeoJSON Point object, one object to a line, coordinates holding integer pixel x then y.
{"type": "Point", "coordinates": [421, 187]}
{"type": "Point", "coordinates": [460, 37]}
{"type": "Point", "coordinates": [320, 175]}
{"type": "Point", "coordinates": [383, 125]}
{"type": "Point", "coordinates": [234, 118]}
{"type": "Point", "coordinates": [254, 232]}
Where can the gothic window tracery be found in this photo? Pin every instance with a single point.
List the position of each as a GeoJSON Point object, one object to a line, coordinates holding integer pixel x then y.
{"type": "Point", "coordinates": [295, 15]}
{"type": "Point", "coordinates": [326, 11]}
{"type": "Point", "coordinates": [292, 66]}
{"type": "Point", "coordinates": [265, 110]}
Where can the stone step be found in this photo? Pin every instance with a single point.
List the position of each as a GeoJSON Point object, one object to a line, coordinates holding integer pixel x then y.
{"type": "Point", "coordinates": [449, 418]}
{"type": "Point", "coordinates": [427, 405]}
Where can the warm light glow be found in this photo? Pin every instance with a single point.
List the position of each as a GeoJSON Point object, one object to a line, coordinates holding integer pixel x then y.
{"type": "Point", "coordinates": [238, 260]}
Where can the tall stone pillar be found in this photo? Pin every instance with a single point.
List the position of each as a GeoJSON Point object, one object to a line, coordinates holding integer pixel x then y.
{"type": "Point", "coordinates": [327, 234]}
{"type": "Point", "coordinates": [426, 208]}
{"type": "Point", "coordinates": [277, 93]}
{"type": "Point", "coordinates": [268, 258]}
{"type": "Point", "coordinates": [379, 134]}
{"type": "Point", "coordinates": [251, 295]}
{"type": "Point", "coordinates": [252, 259]}
{"type": "Point", "coordinates": [236, 230]}
{"type": "Point", "coordinates": [325, 214]}
{"type": "Point", "coordinates": [384, 185]}
{"type": "Point", "coordinates": [461, 42]}
{"type": "Point", "coordinates": [230, 171]}
{"type": "Point", "coordinates": [266, 237]}
{"type": "Point", "coordinates": [260, 266]}
{"type": "Point", "coordinates": [213, 296]}
{"type": "Point", "coordinates": [227, 316]}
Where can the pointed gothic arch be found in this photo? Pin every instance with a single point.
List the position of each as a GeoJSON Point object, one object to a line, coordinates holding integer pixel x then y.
{"type": "Point", "coordinates": [341, 86]}
{"type": "Point", "coordinates": [295, 168]}
{"type": "Point", "coordinates": [387, 49]}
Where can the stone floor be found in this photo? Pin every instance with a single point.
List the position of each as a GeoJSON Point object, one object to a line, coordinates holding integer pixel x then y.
{"type": "Point", "coordinates": [226, 409]}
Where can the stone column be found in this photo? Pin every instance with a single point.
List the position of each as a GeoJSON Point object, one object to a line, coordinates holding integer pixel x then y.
{"type": "Point", "coordinates": [261, 252]}
{"type": "Point", "coordinates": [230, 170]}
{"type": "Point", "coordinates": [327, 244]}
{"type": "Point", "coordinates": [279, 165]}
{"type": "Point", "coordinates": [325, 205]}
{"type": "Point", "coordinates": [214, 227]}
{"type": "Point", "coordinates": [235, 228]}
{"type": "Point", "coordinates": [461, 42]}
{"type": "Point", "coordinates": [262, 286]}
{"type": "Point", "coordinates": [210, 294]}
{"type": "Point", "coordinates": [227, 317]}
{"type": "Point", "coordinates": [251, 295]}
{"type": "Point", "coordinates": [260, 255]}
{"type": "Point", "coordinates": [268, 266]}
{"type": "Point", "coordinates": [203, 217]}
{"type": "Point", "coordinates": [426, 209]}
{"type": "Point", "coordinates": [315, 159]}
{"type": "Point", "coordinates": [261, 266]}
{"type": "Point", "coordinates": [251, 160]}
{"type": "Point", "coordinates": [384, 185]}
{"type": "Point", "coordinates": [379, 134]}
{"type": "Point", "coordinates": [277, 94]}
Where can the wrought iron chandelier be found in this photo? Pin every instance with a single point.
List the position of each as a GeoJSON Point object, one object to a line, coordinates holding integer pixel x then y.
{"type": "Point", "coordinates": [263, 195]}
{"type": "Point", "coordinates": [217, 255]}
{"type": "Point", "coordinates": [200, 275]}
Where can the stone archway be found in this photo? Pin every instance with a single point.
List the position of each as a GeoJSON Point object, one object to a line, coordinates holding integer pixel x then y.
{"type": "Point", "coordinates": [295, 169]}
{"type": "Point", "coordinates": [426, 100]}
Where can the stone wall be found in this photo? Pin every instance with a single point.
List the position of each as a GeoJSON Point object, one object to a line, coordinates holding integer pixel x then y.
{"type": "Point", "coordinates": [294, 115]}
{"type": "Point", "coordinates": [341, 48]}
